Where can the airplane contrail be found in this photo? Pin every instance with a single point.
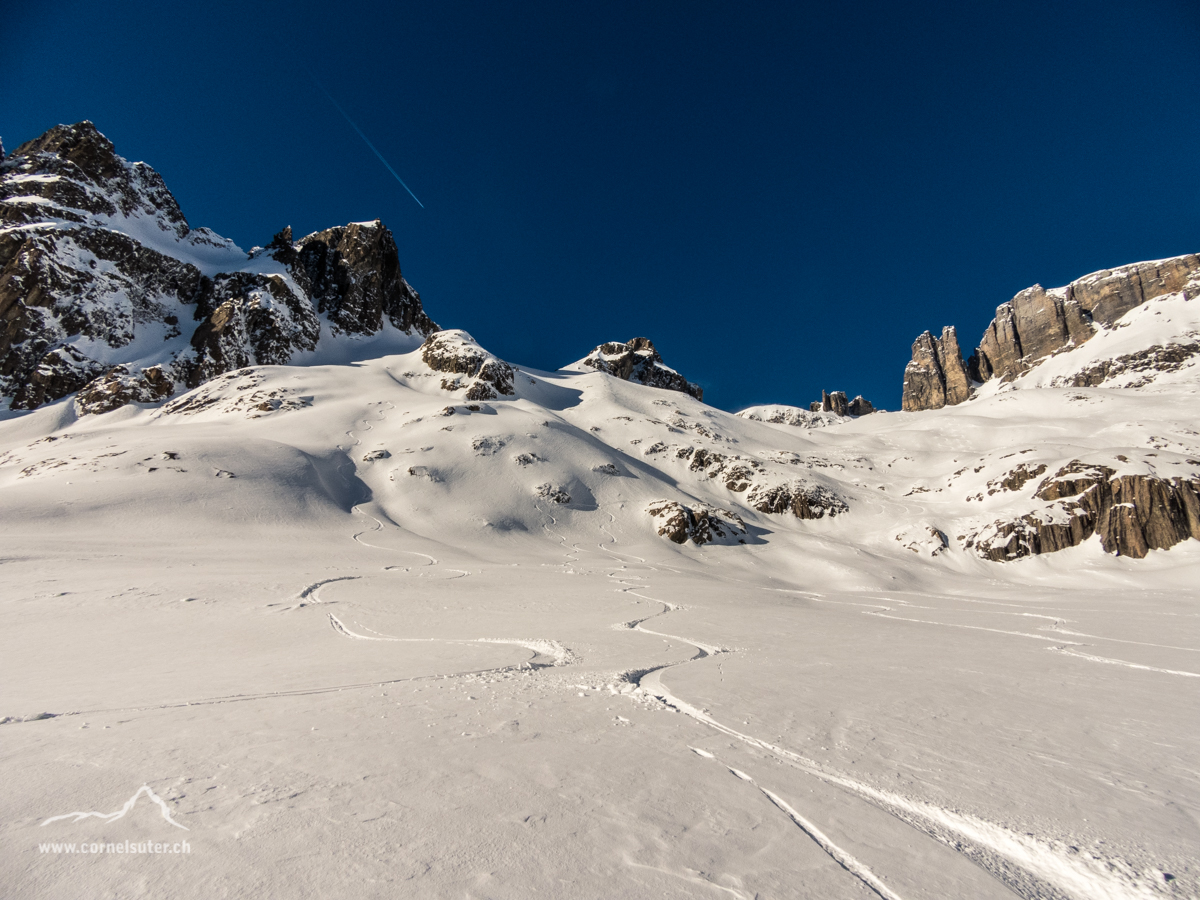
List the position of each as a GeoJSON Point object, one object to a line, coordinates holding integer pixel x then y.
{"type": "Point", "coordinates": [365, 139]}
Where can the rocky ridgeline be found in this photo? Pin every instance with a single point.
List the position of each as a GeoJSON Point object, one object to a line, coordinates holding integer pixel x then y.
{"type": "Point", "coordinates": [107, 291]}
{"type": "Point", "coordinates": [1035, 324]}
{"type": "Point", "coordinates": [1132, 513]}
{"type": "Point", "coordinates": [638, 361]}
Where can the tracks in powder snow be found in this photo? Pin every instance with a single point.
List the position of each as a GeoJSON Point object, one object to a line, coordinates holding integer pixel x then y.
{"type": "Point", "coordinates": [1030, 867]}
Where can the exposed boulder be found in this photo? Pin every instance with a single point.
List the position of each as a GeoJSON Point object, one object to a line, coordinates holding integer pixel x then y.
{"type": "Point", "coordinates": [696, 522]}
{"type": "Point", "coordinates": [120, 387]}
{"type": "Point", "coordinates": [467, 365]}
{"type": "Point", "coordinates": [804, 501]}
{"type": "Point", "coordinates": [552, 492]}
{"type": "Point", "coordinates": [94, 250]}
{"type": "Point", "coordinates": [936, 376]}
{"type": "Point", "coordinates": [637, 360]}
{"type": "Point", "coordinates": [860, 406]}
{"type": "Point", "coordinates": [1133, 514]}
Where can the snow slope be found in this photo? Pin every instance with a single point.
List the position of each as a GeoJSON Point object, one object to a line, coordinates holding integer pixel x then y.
{"type": "Point", "coordinates": [365, 639]}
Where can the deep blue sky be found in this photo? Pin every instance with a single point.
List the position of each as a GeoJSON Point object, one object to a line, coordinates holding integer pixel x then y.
{"type": "Point", "coordinates": [782, 196]}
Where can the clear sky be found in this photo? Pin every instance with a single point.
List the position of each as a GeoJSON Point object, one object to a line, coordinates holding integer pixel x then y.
{"type": "Point", "coordinates": [780, 195]}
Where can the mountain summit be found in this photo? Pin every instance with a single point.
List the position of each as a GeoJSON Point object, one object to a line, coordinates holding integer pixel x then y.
{"type": "Point", "coordinates": [106, 289]}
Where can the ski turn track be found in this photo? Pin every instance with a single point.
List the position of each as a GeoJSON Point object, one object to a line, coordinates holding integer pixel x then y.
{"type": "Point", "coordinates": [1032, 868]}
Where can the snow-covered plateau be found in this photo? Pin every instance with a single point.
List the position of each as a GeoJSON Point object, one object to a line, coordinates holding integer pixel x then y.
{"type": "Point", "coordinates": [409, 620]}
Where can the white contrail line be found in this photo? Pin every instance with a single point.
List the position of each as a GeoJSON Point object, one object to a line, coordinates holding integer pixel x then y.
{"type": "Point", "coordinates": [366, 140]}
{"type": "Point", "coordinates": [120, 813]}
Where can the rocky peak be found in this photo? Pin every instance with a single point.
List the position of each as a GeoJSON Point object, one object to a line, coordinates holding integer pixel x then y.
{"type": "Point", "coordinates": [77, 169]}
{"type": "Point", "coordinates": [353, 275]}
{"type": "Point", "coordinates": [936, 375]}
{"type": "Point", "coordinates": [1038, 323]}
{"type": "Point", "coordinates": [638, 360]}
{"type": "Point", "coordinates": [101, 280]}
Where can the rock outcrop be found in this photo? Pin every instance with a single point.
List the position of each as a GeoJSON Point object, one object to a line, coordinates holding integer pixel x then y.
{"type": "Point", "coordinates": [1133, 514]}
{"type": "Point", "coordinates": [352, 274]}
{"type": "Point", "coordinates": [120, 387]}
{"type": "Point", "coordinates": [1038, 323]}
{"type": "Point", "coordinates": [1027, 328]}
{"type": "Point", "coordinates": [804, 501]}
{"type": "Point", "coordinates": [98, 267]}
{"type": "Point", "coordinates": [696, 522]}
{"type": "Point", "coordinates": [936, 376]}
{"type": "Point", "coordinates": [637, 360]}
{"type": "Point", "coordinates": [466, 365]}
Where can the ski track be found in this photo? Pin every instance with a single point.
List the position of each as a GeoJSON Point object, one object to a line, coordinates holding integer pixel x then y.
{"type": "Point", "coordinates": [882, 612]}
{"type": "Point", "coordinates": [553, 650]}
{"type": "Point", "coordinates": [1121, 662]}
{"type": "Point", "coordinates": [1033, 868]}
{"type": "Point", "coordinates": [846, 860]}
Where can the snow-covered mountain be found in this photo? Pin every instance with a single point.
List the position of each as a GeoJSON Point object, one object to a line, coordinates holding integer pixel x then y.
{"type": "Point", "coordinates": [104, 286]}
{"type": "Point", "coordinates": [407, 602]}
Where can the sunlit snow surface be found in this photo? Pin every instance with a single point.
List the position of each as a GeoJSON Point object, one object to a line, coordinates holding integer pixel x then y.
{"type": "Point", "coordinates": [358, 651]}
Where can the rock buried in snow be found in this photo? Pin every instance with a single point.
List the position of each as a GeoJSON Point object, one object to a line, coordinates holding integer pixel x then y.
{"type": "Point", "coordinates": [552, 493]}
{"type": "Point", "coordinates": [467, 365]}
{"type": "Point", "coordinates": [697, 522]}
{"type": "Point", "coordinates": [376, 454]}
{"type": "Point", "coordinates": [486, 445]}
{"type": "Point", "coordinates": [924, 540]}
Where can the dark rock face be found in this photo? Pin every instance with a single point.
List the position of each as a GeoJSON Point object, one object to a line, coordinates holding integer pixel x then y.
{"type": "Point", "coordinates": [936, 375]}
{"type": "Point", "coordinates": [94, 249]}
{"type": "Point", "coordinates": [80, 175]}
{"type": "Point", "coordinates": [353, 274]}
{"type": "Point", "coordinates": [58, 373]}
{"type": "Point", "coordinates": [1133, 514]}
{"type": "Point", "coordinates": [696, 522]}
{"type": "Point", "coordinates": [860, 406]}
{"type": "Point", "coordinates": [637, 360]}
{"type": "Point", "coordinates": [247, 319]}
{"type": "Point", "coordinates": [835, 403]}
{"type": "Point", "coordinates": [1037, 323]}
{"type": "Point", "coordinates": [1031, 326]}
{"type": "Point", "coordinates": [467, 365]}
